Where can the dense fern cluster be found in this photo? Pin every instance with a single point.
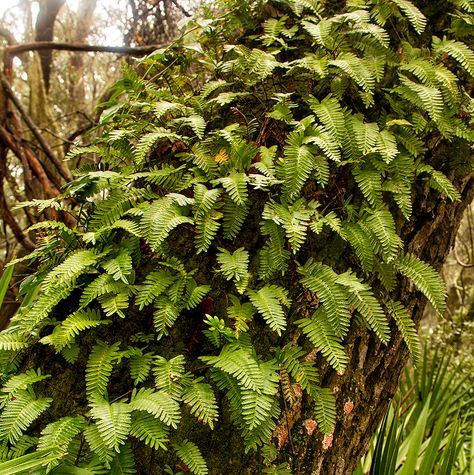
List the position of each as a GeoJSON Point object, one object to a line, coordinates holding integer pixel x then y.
{"type": "Point", "coordinates": [252, 188]}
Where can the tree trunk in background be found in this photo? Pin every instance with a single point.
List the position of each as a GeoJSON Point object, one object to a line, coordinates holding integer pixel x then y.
{"type": "Point", "coordinates": [44, 28]}
{"type": "Point", "coordinates": [77, 91]}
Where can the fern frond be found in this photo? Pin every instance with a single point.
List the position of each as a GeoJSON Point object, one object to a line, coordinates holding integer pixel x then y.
{"type": "Point", "coordinates": [113, 421]}
{"type": "Point", "coordinates": [167, 176]}
{"type": "Point", "coordinates": [292, 359]}
{"type": "Point", "coordinates": [159, 219]}
{"type": "Point", "coordinates": [262, 433]}
{"type": "Point", "coordinates": [356, 69]}
{"type": "Point", "coordinates": [202, 402]}
{"type": "Point", "coordinates": [269, 301]}
{"type": "Point", "coordinates": [457, 50]}
{"type": "Point", "coordinates": [274, 256]}
{"type": "Point", "coordinates": [114, 303]}
{"type": "Point", "coordinates": [234, 266]}
{"type": "Point", "coordinates": [439, 181]}
{"type": "Point", "coordinates": [120, 266]}
{"type": "Point", "coordinates": [370, 184]}
{"type": "Point", "coordinates": [321, 279]}
{"type": "Point", "coordinates": [19, 413]}
{"type": "Point", "coordinates": [240, 313]}
{"type": "Point", "coordinates": [158, 403]}
{"type": "Point", "coordinates": [325, 409]}
{"type": "Point", "coordinates": [124, 462]}
{"type": "Point", "coordinates": [297, 164]}
{"type": "Point", "coordinates": [414, 15]}
{"type": "Point", "coordinates": [407, 328]}
{"type": "Point", "coordinates": [428, 99]}
{"type": "Point", "coordinates": [146, 428]}
{"type": "Point", "coordinates": [320, 333]}
{"type": "Point", "coordinates": [65, 333]}
{"type": "Point", "coordinates": [42, 307]}
{"type": "Point", "coordinates": [363, 300]}
{"type": "Point", "coordinates": [168, 374]}
{"type": "Point", "coordinates": [12, 341]}
{"type": "Point", "coordinates": [425, 278]}
{"type": "Point", "coordinates": [99, 367]}
{"type": "Point", "coordinates": [147, 142]}
{"type": "Point", "coordinates": [190, 454]}
{"type": "Point", "coordinates": [234, 217]}
{"type": "Point", "coordinates": [293, 218]}
{"type": "Point", "coordinates": [206, 230]}
{"type": "Point", "coordinates": [98, 445]}
{"type": "Point", "coordinates": [110, 209]}
{"type": "Point", "coordinates": [331, 115]}
{"type": "Point", "coordinates": [155, 283]}
{"type": "Point", "coordinates": [382, 225]}
{"type": "Point", "coordinates": [239, 363]}
{"type": "Point", "coordinates": [74, 265]}
{"type": "Point", "coordinates": [195, 294]}
{"type": "Point", "coordinates": [235, 184]}
{"type": "Point", "coordinates": [165, 315]}
{"type": "Point", "coordinates": [61, 432]}
{"type": "Point", "coordinates": [20, 382]}
{"type": "Point", "coordinates": [140, 365]}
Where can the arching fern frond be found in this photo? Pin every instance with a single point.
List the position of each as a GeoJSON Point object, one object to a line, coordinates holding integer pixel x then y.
{"type": "Point", "coordinates": [113, 421]}
{"type": "Point", "coordinates": [407, 328]}
{"type": "Point", "coordinates": [147, 428]}
{"type": "Point", "coordinates": [190, 454]}
{"type": "Point", "coordinates": [18, 414]}
{"type": "Point", "coordinates": [168, 374]}
{"type": "Point", "coordinates": [202, 402]}
{"type": "Point", "coordinates": [234, 266]}
{"type": "Point", "coordinates": [457, 50]}
{"type": "Point", "coordinates": [325, 409]}
{"type": "Point", "coordinates": [269, 302]}
{"type": "Point", "coordinates": [414, 15]}
{"type": "Point", "coordinates": [426, 279]}
{"type": "Point", "coordinates": [158, 403]}
{"type": "Point", "coordinates": [155, 283]}
{"type": "Point", "coordinates": [159, 219]}
{"type": "Point", "coordinates": [239, 363]}
{"type": "Point", "coordinates": [363, 300]}
{"type": "Point", "coordinates": [61, 432]}
{"type": "Point", "coordinates": [100, 366]}
{"type": "Point", "coordinates": [319, 331]}
{"type": "Point", "coordinates": [65, 333]}
{"type": "Point", "coordinates": [382, 225]}
{"type": "Point", "coordinates": [321, 279]}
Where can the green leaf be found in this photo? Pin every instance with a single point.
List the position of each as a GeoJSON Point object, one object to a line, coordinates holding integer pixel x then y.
{"type": "Point", "coordinates": [5, 282]}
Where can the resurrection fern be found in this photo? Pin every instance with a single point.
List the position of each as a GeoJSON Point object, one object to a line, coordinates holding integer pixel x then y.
{"type": "Point", "coordinates": [190, 454]}
{"type": "Point", "coordinates": [99, 368]}
{"type": "Point", "coordinates": [425, 278]}
{"type": "Point", "coordinates": [202, 402]}
{"type": "Point", "coordinates": [242, 223]}
{"type": "Point", "coordinates": [234, 266]}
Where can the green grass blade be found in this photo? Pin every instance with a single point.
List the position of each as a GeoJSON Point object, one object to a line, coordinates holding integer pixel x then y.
{"type": "Point", "coordinates": [31, 461]}
{"type": "Point", "coordinates": [5, 281]}
{"type": "Point", "coordinates": [414, 441]}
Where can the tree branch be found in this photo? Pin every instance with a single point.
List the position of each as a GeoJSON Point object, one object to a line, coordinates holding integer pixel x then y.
{"type": "Point", "coordinates": [63, 171]}
{"type": "Point", "coordinates": [16, 50]}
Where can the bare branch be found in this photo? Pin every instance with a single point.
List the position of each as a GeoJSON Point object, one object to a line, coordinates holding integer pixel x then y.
{"type": "Point", "coordinates": [49, 45]}
{"type": "Point", "coordinates": [63, 171]}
